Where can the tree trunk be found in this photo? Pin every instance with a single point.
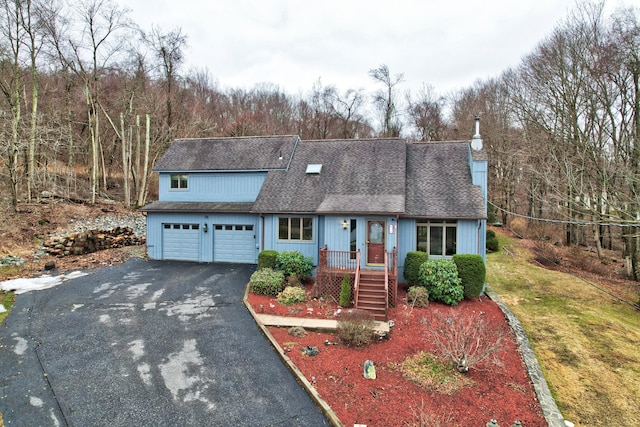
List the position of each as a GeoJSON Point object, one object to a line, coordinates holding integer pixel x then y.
{"type": "Point", "coordinates": [142, 194]}
{"type": "Point", "coordinates": [125, 163]}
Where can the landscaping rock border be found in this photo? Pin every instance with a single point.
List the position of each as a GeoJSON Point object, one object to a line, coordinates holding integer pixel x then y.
{"type": "Point", "coordinates": [548, 404]}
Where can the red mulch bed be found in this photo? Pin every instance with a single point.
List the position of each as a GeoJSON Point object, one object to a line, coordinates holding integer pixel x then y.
{"type": "Point", "coordinates": [503, 392]}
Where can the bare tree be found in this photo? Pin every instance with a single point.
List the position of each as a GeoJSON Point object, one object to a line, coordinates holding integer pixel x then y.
{"type": "Point", "coordinates": [12, 85]}
{"type": "Point", "coordinates": [348, 109]}
{"type": "Point", "coordinates": [426, 114]}
{"type": "Point", "coordinates": [168, 48]}
{"type": "Point", "coordinates": [103, 28]}
{"type": "Point", "coordinates": [385, 100]}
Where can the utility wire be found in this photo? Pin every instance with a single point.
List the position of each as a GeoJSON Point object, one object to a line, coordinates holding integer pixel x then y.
{"type": "Point", "coordinates": [633, 305]}
{"type": "Point", "coordinates": [568, 222]}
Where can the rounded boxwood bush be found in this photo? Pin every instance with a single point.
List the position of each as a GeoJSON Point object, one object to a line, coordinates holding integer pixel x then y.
{"type": "Point", "coordinates": [292, 295]}
{"type": "Point", "coordinates": [472, 272]}
{"type": "Point", "coordinates": [412, 263]}
{"type": "Point", "coordinates": [267, 259]}
{"type": "Point", "coordinates": [492, 241]}
{"type": "Point", "coordinates": [440, 276]}
{"type": "Point", "coordinates": [267, 282]}
{"type": "Point", "coordinates": [293, 262]}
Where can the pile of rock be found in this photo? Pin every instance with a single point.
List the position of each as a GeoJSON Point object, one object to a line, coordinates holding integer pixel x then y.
{"type": "Point", "coordinates": [12, 261]}
{"type": "Point", "coordinates": [89, 241]}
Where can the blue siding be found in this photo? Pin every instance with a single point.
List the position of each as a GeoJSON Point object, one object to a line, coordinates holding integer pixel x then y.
{"type": "Point", "coordinates": [214, 187]}
{"type": "Point", "coordinates": [156, 220]}
{"type": "Point", "coordinates": [479, 174]}
{"type": "Point", "coordinates": [338, 239]}
{"type": "Point", "coordinates": [467, 243]}
{"type": "Point", "coordinates": [467, 237]}
{"type": "Point", "coordinates": [271, 241]}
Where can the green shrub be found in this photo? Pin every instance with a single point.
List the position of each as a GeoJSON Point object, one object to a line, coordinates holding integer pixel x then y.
{"type": "Point", "coordinates": [293, 262]}
{"type": "Point", "coordinates": [492, 241]}
{"type": "Point", "coordinates": [292, 295]}
{"type": "Point", "coordinates": [440, 276]}
{"type": "Point", "coordinates": [345, 292]}
{"type": "Point", "coordinates": [355, 328]}
{"type": "Point", "coordinates": [412, 263]}
{"type": "Point", "coordinates": [267, 282]}
{"type": "Point", "coordinates": [418, 296]}
{"type": "Point", "coordinates": [472, 273]}
{"type": "Point", "coordinates": [293, 281]}
{"type": "Point", "coordinates": [267, 259]}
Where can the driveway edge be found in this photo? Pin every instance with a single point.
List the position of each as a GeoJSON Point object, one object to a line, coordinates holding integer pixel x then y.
{"type": "Point", "coordinates": [548, 404]}
{"type": "Point", "coordinates": [326, 409]}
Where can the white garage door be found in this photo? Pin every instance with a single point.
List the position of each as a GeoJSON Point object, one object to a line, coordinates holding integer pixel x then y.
{"type": "Point", "coordinates": [234, 243]}
{"type": "Point", "coordinates": [181, 242]}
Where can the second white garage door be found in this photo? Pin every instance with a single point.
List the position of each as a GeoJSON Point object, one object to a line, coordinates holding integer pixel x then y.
{"type": "Point", "coordinates": [234, 243]}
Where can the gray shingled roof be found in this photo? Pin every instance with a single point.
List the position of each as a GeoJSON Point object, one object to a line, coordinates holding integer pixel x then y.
{"type": "Point", "coordinates": [222, 207]}
{"type": "Point", "coordinates": [366, 176]}
{"type": "Point", "coordinates": [358, 176]}
{"type": "Point", "coordinates": [242, 153]}
{"type": "Point", "coordinates": [439, 182]}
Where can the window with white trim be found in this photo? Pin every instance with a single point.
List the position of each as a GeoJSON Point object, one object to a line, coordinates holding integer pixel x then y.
{"type": "Point", "coordinates": [179, 182]}
{"type": "Point", "coordinates": [437, 238]}
{"type": "Point", "coordinates": [295, 228]}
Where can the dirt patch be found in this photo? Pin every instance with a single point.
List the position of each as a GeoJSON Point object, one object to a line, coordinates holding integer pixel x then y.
{"type": "Point", "coordinates": [22, 234]}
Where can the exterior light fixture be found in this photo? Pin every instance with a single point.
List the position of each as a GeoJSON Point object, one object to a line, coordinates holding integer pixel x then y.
{"type": "Point", "coordinates": [345, 224]}
{"type": "Point", "coordinates": [205, 228]}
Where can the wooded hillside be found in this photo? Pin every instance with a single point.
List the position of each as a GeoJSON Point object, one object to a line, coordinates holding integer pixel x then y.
{"type": "Point", "coordinates": [89, 102]}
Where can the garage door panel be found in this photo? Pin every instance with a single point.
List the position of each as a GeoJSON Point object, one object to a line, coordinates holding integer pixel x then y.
{"type": "Point", "coordinates": [181, 242]}
{"type": "Point", "coordinates": [234, 243]}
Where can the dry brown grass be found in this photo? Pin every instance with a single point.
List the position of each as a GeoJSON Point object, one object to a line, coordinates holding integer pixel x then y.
{"type": "Point", "coordinates": [585, 340]}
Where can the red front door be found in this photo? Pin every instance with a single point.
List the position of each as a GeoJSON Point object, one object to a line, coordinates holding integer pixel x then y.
{"type": "Point", "coordinates": [375, 242]}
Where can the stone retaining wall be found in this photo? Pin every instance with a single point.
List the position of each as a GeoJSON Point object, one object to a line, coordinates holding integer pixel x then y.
{"type": "Point", "coordinates": [91, 241]}
{"type": "Point", "coordinates": [548, 404]}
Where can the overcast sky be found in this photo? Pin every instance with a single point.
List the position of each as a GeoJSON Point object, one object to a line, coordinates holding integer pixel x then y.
{"type": "Point", "coordinates": [448, 44]}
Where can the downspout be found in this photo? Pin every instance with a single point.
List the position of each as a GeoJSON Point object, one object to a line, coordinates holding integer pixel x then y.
{"type": "Point", "coordinates": [479, 242]}
{"type": "Point", "coordinates": [397, 228]}
{"type": "Point", "coordinates": [261, 232]}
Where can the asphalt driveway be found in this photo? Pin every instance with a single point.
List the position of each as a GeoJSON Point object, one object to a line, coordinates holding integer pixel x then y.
{"type": "Point", "coordinates": [145, 343]}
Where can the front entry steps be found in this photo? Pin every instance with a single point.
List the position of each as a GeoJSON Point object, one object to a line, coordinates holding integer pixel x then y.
{"type": "Point", "coordinates": [372, 294]}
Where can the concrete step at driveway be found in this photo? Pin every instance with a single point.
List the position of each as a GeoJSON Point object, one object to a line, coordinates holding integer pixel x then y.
{"type": "Point", "coordinates": [308, 323]}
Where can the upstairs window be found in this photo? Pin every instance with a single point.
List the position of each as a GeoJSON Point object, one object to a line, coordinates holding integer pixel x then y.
{"type": "Point", "coordinates": [295, 228]}
{"type": "Point", "coordinates": [179, 182]}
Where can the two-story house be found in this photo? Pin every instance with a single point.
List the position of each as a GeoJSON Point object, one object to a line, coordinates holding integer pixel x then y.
{"type": "Point", "coordinates": [348, 204]}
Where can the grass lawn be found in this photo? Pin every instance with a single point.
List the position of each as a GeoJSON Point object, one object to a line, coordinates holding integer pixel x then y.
{"type": "Point", "coordinates": [587, 343]}
{"type": "Point", "coordinates": [6, 300]}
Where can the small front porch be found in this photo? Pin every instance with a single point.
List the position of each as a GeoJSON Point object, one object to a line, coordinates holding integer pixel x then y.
{"type": "Point", "coordinates": [373, 289]}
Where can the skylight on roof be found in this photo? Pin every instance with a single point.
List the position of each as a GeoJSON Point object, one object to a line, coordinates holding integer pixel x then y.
{"type": "Point", "coordinates": [314, 169]}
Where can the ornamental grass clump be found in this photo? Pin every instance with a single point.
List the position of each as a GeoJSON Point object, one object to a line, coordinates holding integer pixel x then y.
{"type": "Point", "coordinates": [440, 276]}
{"type": "Point", "coordinates": [292, 295]}
{"type": "Point", "coordinates": [267, 282]}
{"type": "Point", "coordinates": [418, 296]}
{"type": "Point", "coordinates": [355, 328]}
